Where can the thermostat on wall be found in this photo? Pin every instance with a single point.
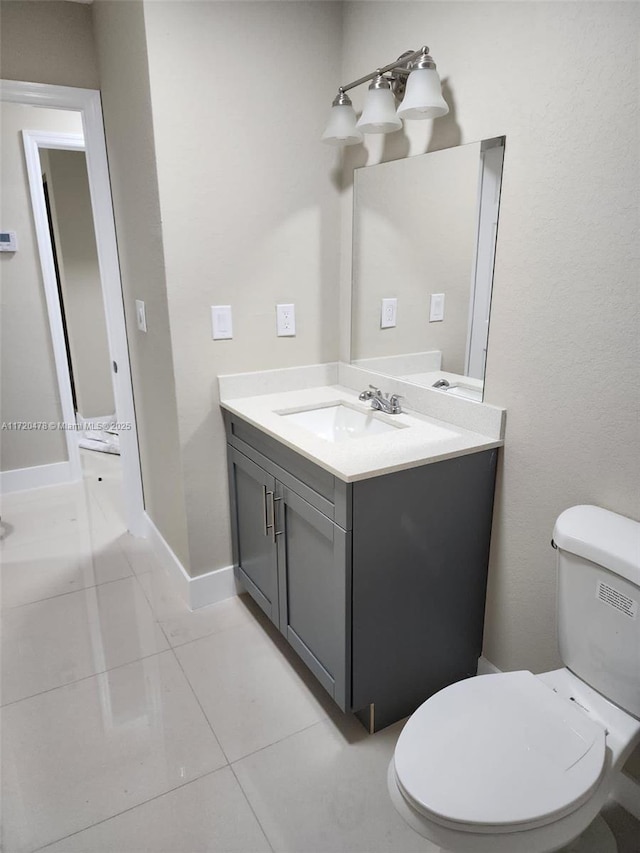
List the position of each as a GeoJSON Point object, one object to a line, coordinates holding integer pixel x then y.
{"type": "Point", "coordinates": [8, 241]}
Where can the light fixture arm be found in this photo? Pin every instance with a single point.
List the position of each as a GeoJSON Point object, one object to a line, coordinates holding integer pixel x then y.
{"type": "Point", "coordinates": [401, 65]}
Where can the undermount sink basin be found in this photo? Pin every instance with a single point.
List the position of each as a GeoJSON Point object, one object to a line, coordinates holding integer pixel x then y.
{"type": "Point", "coordinates": [340, 423]}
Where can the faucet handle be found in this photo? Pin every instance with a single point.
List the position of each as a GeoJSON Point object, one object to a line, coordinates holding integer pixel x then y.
{"type": "Point", "coordinates": [368, 394]}
{"type": "Point", "coordinates": [394, 401]}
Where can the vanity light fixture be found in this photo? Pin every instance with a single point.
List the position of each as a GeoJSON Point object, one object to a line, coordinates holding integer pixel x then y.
{"type": "Point", "coordinates": [379, 113]}
{"type": "Point", "coordinates": [411, 79]}
{"type": "Point", "coordinates": [341, 128]}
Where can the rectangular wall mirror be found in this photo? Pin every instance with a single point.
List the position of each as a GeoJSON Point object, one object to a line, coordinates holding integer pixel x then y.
{"type": "Point", "coordinates": [424, 235]}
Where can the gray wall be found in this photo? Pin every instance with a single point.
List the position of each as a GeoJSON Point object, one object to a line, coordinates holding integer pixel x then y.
{"type": "Point", "coordinates": [563, 343]}
{"type": "Point", "coordinates": [122, 58]}
{"type": "Point", "coordinates": [28, 383]}
{"type": "Point", "coordinates": [48, 42]}
{"type": "Point", "coordinates": [68, 184]}
{"type": "Point", "coordinates": [249, 211]}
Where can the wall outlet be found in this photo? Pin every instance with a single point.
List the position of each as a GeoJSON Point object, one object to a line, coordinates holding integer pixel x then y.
{"type": "Point", "coordinates": [221, 322]}
{"type": "Point", "coordinates": [436, 311]}
{"type": "Point", "coordinates": [388, 313]}
{"type": "Point", "coordinates": [285, 320]}
{"type": "Point", "coordinates": [141, 317]}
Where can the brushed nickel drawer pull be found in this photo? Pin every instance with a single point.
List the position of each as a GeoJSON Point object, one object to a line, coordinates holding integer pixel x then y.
{"type": "Point", "coordinates": [271, 513]}
{"type": "Point", "coordinates": [265, 520]}
{"type": "Point", "coordinates": [275, 532]}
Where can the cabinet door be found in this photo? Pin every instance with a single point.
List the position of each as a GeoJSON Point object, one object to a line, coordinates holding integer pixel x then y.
{"type": "Point", "coordinates": [255, 552]}
{"type": "Point", "coordinates": [315, 582]}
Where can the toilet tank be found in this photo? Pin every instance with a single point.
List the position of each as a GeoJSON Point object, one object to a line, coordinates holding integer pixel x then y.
{"type": "Point", "coordinates": [599, 601]}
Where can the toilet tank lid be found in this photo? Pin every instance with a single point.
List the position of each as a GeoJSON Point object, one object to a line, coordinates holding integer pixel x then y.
{"type": "Point", "coordinates": [603, 537]}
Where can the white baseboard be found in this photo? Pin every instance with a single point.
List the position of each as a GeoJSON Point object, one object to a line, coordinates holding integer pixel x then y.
{"type": "Point", "coordinates": [199, 591]}
{"type": "Point", "coordinates": [21, 479]}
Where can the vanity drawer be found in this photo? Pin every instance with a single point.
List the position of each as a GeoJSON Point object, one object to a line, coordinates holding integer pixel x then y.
{"type": "Point", "coordinates": [315, 485]}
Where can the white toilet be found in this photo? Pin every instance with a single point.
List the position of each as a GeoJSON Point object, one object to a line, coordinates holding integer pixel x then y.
{"type": "Point", "coordinates": [523, 763]}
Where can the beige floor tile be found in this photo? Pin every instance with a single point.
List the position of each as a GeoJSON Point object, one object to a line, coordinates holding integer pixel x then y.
{"type": "Point", "coordinates": [252, 693]}
{"type": "Point", "coordinates": [103, 480]}
{"type": "Point", "coordinates": [139, 553]}
{"type": "Point", "coordinates": [48, 567]}
{"type": "Point", "coordinates": [58, 511]}
{"type": "Point", "coordinates": [325, 789]}
{"type": "Point", "coordinates": [108, 495]}
{"type": "Point", "coordinates": [125, 761]}
{"type": "Point", "coordinates": [43, 497]}
{"type": "Point", "coordinates": [182, 625]}
{"type": "Point", "coordinates": [210, 815]}
{"type": "Point", "coordinates": [87, 751]}
{"type": "Point", "coordinates": [62, 639]}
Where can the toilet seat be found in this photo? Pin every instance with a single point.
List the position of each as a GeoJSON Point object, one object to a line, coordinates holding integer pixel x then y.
{"type": "Point", "coordinates": [497, 754]}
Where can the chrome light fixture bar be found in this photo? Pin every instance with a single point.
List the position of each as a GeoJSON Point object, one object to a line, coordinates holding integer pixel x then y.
{"type": "Point", "coordinates": [411, 79]}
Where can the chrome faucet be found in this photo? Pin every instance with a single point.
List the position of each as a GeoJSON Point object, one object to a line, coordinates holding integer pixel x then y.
{"type": "Point", "coordinates": [441, 383]}
{"type": "Point", "coordinates": [390, 404]}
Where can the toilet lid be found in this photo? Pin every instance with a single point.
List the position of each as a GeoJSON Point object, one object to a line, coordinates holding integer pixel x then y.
{"type": "Point", "coordinates": [499, 752]}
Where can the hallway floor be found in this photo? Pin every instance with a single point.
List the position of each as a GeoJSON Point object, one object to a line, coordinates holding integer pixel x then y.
{"type": "Point", "coordinates": [130, 724]}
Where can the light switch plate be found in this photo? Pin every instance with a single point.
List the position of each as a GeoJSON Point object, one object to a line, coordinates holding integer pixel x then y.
{"type": "Point", "coordinates": [221, 323]}
{"type": "Point", "coordinates": [141, 316]}
{"type": "Point", "coordinates": [436, 312]}
{"type": "Point", "coordinates": [388, 313]}
{"type": "Point", "coordinates": [286, 320]}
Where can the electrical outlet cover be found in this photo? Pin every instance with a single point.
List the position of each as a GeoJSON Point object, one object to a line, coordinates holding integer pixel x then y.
{"type": "Point", "coordinates": [388, 313]}
{"type": "Point", "coordinates": [286, 320]}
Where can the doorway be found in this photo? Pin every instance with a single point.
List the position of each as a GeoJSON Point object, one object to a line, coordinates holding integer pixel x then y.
{"type": "Point", "coordinates": [86, 103]}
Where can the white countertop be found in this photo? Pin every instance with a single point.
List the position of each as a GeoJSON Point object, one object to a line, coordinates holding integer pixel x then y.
{"type": "Point", "coordinates": [360, 457]}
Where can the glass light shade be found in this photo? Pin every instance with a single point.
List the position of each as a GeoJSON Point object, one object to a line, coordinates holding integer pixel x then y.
{"type": "Point", "coordinates": [423, 96]}
{"type": "Point", "coordinates": [379, 114]}
{"type": "Point", "coordinates": [341, 128]}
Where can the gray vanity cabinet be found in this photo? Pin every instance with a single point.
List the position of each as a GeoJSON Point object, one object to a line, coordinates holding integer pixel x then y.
{"type": "Point", "coordinates": [378, 585]}
{"type": "Point", "coordinates": [291, 559]}
{"type": "Point", "coordinates": [312, 554]}
{"type": "Point", "coordinates": [255, 551]}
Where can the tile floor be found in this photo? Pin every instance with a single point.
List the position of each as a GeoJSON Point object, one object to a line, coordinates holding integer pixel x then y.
{"type": "Point", "coordinates": [129, 724]}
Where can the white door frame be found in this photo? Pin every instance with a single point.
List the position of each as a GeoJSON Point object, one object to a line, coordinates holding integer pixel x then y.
{"type": "Point", "coordinates": [87, 103]}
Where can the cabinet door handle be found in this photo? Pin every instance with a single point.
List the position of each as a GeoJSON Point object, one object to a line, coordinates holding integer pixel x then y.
{"type": "Point", "coordinates": [275, 532]}
{"type": "Point", "coordinates": [271, 521]}
{"type": "Point", "coordinates": [265, 519]}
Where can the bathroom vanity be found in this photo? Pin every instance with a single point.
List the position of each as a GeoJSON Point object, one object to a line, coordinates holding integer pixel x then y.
{"type": "Point", "coordinates": [365, 538]}
{"type": "Point", "coordinates": [370, 555]}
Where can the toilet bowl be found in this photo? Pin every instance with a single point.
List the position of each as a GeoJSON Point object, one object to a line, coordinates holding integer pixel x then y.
{"type": "Point", "coordinates": [523, 763]}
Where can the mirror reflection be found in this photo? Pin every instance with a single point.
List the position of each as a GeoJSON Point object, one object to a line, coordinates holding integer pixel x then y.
{"type": "Point", "coordinates": [424, 236]}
